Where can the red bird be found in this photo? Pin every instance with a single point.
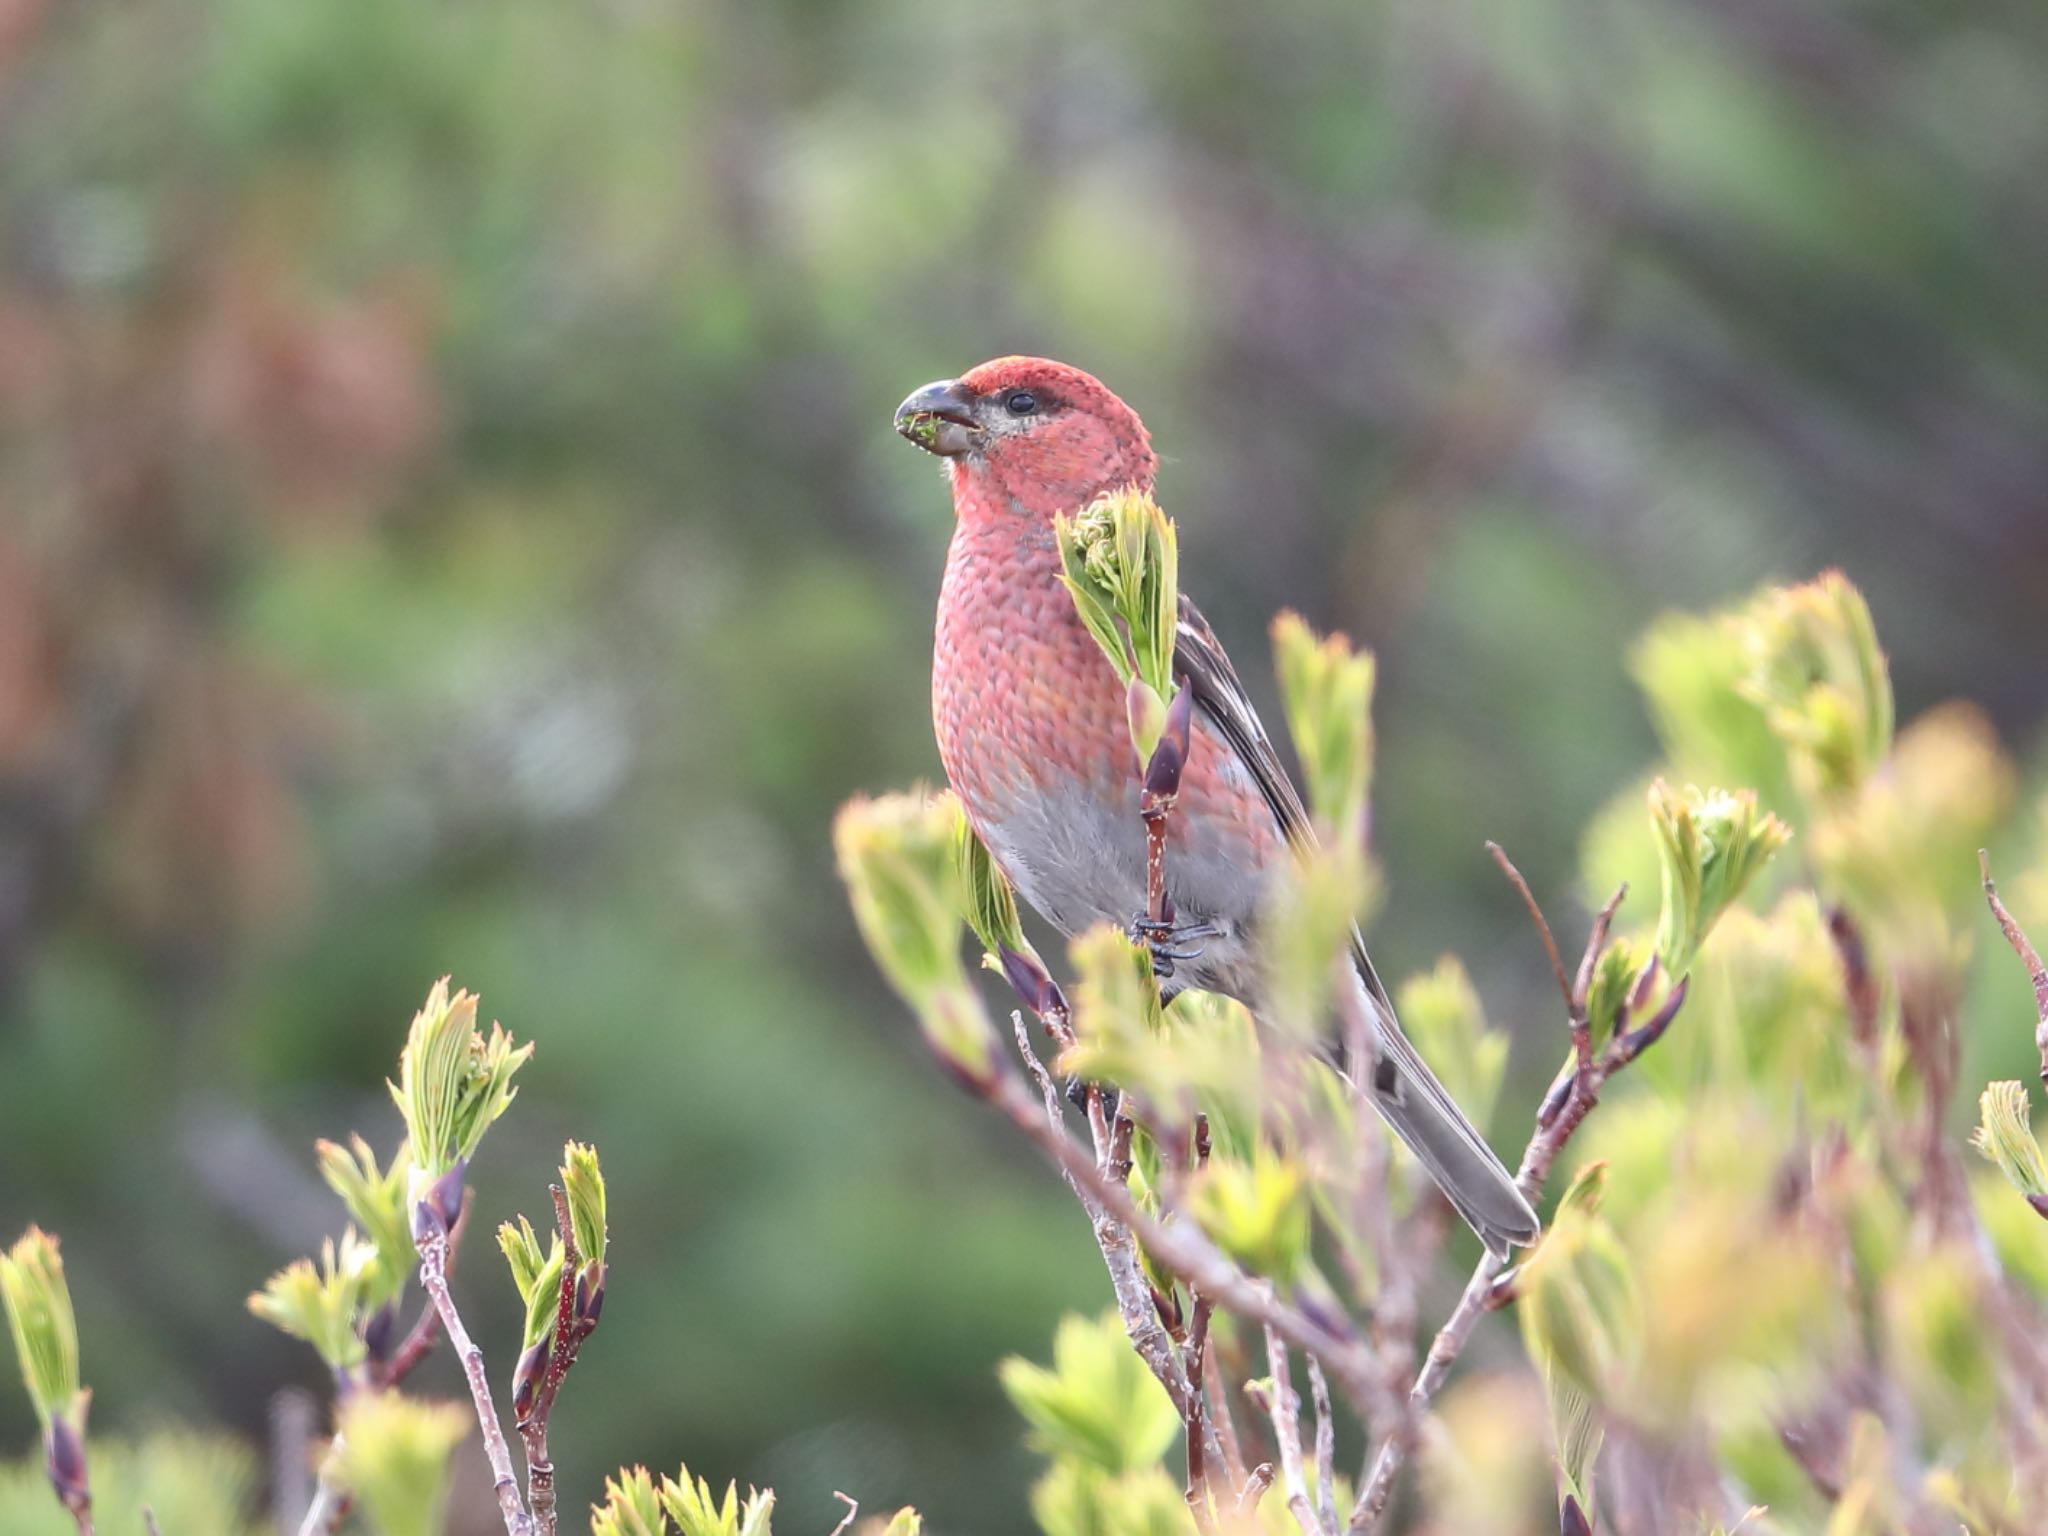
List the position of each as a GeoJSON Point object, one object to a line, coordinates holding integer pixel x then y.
{"type": "Point", "coordinates": [1032, 730]}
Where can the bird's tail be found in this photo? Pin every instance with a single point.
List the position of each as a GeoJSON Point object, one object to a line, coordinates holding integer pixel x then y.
{"type": "Point", "coordinates": [1413, 1102]}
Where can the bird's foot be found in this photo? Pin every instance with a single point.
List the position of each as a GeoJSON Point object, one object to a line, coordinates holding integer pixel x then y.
{"type": "Point", "coordinates": [1170, 941]}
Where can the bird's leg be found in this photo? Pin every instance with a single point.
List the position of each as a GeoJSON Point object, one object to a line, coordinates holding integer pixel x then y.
{"type": "Point", "coordinates": [1169, 939]}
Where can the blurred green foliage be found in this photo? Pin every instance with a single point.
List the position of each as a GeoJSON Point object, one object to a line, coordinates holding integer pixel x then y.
{"type": "Point", "coordinates": [191, 1482]}
{"type": "Point", "coordinates": [1771, 1277]}
{"type": "Point", "coordinates": [448, 522]}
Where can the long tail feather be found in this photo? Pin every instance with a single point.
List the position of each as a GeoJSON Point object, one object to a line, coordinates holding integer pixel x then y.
{"type": "Point", "coordinates": [1413, 1102]}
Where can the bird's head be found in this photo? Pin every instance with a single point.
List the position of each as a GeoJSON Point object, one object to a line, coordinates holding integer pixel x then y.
{"type": "Point", "coordinates": [1028, 435]}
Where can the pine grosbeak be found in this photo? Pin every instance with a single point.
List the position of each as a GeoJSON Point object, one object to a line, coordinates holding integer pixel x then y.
{"type": "Point", "coordinates": [1032, 729]}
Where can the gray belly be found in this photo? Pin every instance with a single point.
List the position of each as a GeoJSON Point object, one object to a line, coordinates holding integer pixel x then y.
{"type": "Point", "coordinates": [1079, 859]}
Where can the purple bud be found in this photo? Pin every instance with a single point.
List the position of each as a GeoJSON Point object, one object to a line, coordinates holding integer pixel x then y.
{"type": "Point", "coordinates": [64, 1460]}
{"type": "Point", "coordinates": [1029, 980]}
{"type": "Point", "coordinates": [442, 1205]}
{"type": "Point", "coordinates": [1167, 1304]}
{"type": "Point", "coordinates": [380, 1331]}
{"type": "Point", "coordinates": [426, 1222]}
{"type": "Point", "coordinates": [590, 1292]}
{"type": "Point", "coordinates": [1644, 982]}
{"type": "Point", "coordinates": [1572, 1520]}
{"type": "Point", "coordinates": [448, 1190]}
{"type": "Point", "coordinates": [526, 1379]}
{"type": "Point", "coordinates": [1640, 1039]}
{"type": "Point", "coordinates": [1170, 757]}
{"type": "Point", "coordinates": [1554, 1101]}
{"type": "Point", "coordinates": [2039, 1203]}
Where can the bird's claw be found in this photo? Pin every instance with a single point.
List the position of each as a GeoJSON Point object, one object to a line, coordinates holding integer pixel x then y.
{"type": "Point", "coordinates": [1170, 941]}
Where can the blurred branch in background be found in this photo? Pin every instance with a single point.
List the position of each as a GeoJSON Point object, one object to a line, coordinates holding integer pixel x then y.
{"type": "Point", "coordinates": [1684, 1314]}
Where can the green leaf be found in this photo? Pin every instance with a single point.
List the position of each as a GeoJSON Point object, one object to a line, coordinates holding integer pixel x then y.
{"type": "Point", "coordinates": [688, 1501]}
{"type": "Point", "coordinates": [899, 859]}
{"type": "Point", "coordinates": [1711, 844]}
{"type": "Point", "coordinates": [1257, 1210]}
{"type": "Point", "coordinates": [1901, 853]}
{"type": "Point", "coordinates": [631, 1507]}
{"type": "Point", "coordinates": [2006, 1138]}
{"type": "Point", "coordinates": [988, 904]}
{"type": "Point", "coordinates": [39, 1316]}
{"type": "Point", "coordinates": [1578, 1298]}
{"type": "Point", "coordinates": [1694, 675]}
{"type": "Point", "coordinates": [1326, 688]}
{"type": "Point", "coordinates": [1098, 1405]}
{"type": "Point", "coordinates": [191, 1481]}
{"type": "Point", "coordinates": [453, 1081]}
{"type": "Point", "coordinates": [394, 1453]}
{"type": "Point", "coordinates": [537, 1276]}
{"type": "Point", "coordinates": [1115, 993]}
{"type": "Point", "coordinates": [323, 1305]}
{"type": "Point", "coordinates": [376, 1203]}
{"type": "Point", "coordinates": [1120, 563]}
{"type": "Point", "coordinates": [1940, 1331]}
{"type": "Point", "coordinates": [1312, 909]}
{"type": "Point", "coordinates": [583, 1187]}
{"type": "Point", "coordinates": [1443, 1017]}
{"type": "Point", "coordinates": [1817, 673]}
{"type": "Point", "coordinates": [1074, 1499]}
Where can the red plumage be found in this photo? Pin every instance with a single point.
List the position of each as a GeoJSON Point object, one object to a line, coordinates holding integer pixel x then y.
{"type": "Point", "coordinates": [1031, 726]}
{"type": "Point", "coordinates": [1022, 697]}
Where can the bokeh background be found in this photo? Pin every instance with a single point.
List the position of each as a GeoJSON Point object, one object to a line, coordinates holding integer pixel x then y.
{"type": "Point", "coordinates": [449, 522]}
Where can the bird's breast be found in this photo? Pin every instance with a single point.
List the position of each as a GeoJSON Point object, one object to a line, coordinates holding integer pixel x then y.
{"type": "Point", "coordinates": [1031, 729]}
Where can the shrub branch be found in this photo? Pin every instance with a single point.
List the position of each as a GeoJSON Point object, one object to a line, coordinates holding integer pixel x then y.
{"type": "Point", "coordinates": [2030, 957]}
{"type": "Point", "coordinates": [434, 1277]}
{"type": "Point", "coordinates": [1562, 1113]}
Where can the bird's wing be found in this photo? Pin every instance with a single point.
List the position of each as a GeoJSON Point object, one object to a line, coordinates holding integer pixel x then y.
{"type": "Point", "coordinates": [1404, 1088]}
{"type": "Point", "coordinates": [1204, 666]}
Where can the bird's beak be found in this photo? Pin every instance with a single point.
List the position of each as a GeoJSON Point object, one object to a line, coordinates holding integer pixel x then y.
{"type": "Point", "coordinates": [940, 419]}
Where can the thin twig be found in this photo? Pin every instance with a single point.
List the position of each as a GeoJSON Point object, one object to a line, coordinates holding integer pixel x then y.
{"type": "Point", "coordinates": [1123, 1127]}
{"type": "Point", "coordinates": [149, 1525]}
{"type": "Point", "coordinates": [1326, 1446]}
{"type": "Point", "coordinates": [1374, 1216]}
{"type": "Point", "coordinates": [1284, 1406]}
{"type": "Point", "coordinates": [292, 1422]}
{"type": "Point", "coordinates": [1596, 944]}
{"type": "Point", "coordinates": [426, 1328]}
{"type": "Point", "coordinates": [1196, 1353]}
{"type": "Point", "coordinates": [1184, 1251]}
{"type": "Point", "coordinates": [1507, 867]}
{"type": "Point", "coordinates": [2030, 957]}
{"type": "Point", "coordinates": [852, 1512]}
{"type": "Point", "coordinates": [329, 1508]}
{"type": "Point", "coordinates": [572, 1327]}
{"type": "Point", "coordinates": [1859, 985]}
{"type": "Point", "coordinates": [1045, 1123]}
{"type": "Point", "coordinates": [434, 1276]}
{"type": "Point", "coordinates": [1587, 1074]}
{"type": "Point", "coordinates": [331, 1503]}
{"type": "Point", "coordinates": [1255, 1487]}
{"type": "Point", "coordinates": [1217, 1392]}
{"type": "Point", "coordinates": [419, 1342]}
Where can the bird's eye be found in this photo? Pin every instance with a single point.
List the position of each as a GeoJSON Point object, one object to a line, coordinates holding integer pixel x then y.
{"type": "Point", "coordinates": [1020, 402]}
